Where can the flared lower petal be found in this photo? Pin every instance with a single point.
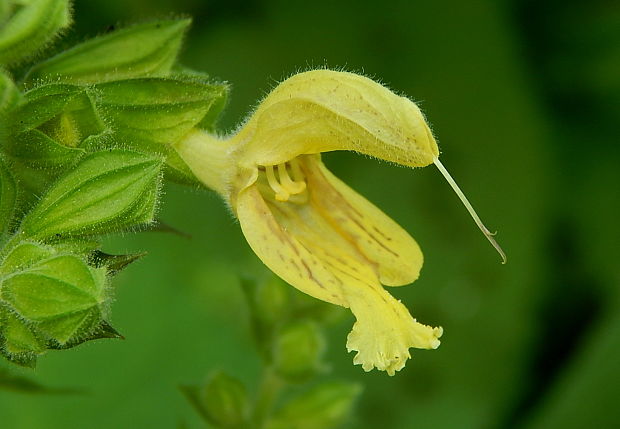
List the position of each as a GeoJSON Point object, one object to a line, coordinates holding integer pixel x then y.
{"type": "Point", "coordinates": [385, 331]}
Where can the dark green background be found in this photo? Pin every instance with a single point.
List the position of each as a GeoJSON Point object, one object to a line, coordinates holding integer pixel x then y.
{"type": "Point", "coordinates": [523, 97]}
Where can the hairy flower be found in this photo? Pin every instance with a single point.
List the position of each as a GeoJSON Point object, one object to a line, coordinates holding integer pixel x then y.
{"type": "Point", "coordinates": [306, 225]}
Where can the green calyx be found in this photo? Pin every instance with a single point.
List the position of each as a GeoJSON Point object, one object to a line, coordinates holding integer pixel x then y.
{"type": "Point", "coordinates": [106, 192]}
{"type": "Point", "coordinates": [48, 299]}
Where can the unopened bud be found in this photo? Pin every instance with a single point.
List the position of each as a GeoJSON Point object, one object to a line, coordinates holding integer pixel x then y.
{"type": "Point", "coordinates": [298, 350]}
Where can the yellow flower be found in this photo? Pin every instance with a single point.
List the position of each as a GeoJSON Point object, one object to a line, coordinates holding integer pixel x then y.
{"type": "Point", "coordinates": [310, 228]}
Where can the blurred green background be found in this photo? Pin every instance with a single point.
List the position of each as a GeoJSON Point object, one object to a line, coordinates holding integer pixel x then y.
{"type": "Point", "coordinates": [524, 98]}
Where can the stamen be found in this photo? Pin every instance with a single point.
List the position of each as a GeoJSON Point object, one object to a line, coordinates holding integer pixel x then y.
{"type": "Point", "coordinates": [489, 235]}
{"type": "Point", "coordinates": [298, 176]}
{"type": "Point", "coordinates": [292, 187]}
{"type": "Point", "coordinates": [281, 193]}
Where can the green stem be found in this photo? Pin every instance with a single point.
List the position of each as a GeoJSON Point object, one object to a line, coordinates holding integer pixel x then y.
{"type": "Point", "coordinates": [270, 387]}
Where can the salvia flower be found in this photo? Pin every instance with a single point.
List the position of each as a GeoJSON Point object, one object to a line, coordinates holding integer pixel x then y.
{"type": "Point", "coordinates": [309, 227]}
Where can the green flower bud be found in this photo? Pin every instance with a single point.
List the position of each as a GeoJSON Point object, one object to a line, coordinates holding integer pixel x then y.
{"type": "Point", "coordinates": [222, 401]}
{"type": "Point", "coordinates": [31, 28]}
{"type": "Point", "coordinates": [142, 50]}
{"type": "Point", "coordinates": [105, 192]}
{"type": "Point", "coordinates": [8, 197]}
{"type": "Point", "coordinates": [298, 350]}
{"type": "Point", "coordinates": [271, 300]}
{"type": "Point", "coordinates": [323, 407]}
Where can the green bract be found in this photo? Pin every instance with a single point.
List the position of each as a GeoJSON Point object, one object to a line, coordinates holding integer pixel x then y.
{"type": "Point", "coordinates": [105, 192]}
{"type": "Point", "coordinates": [142, 50]}
{"type": "Point", "coordinates": [31, 28]}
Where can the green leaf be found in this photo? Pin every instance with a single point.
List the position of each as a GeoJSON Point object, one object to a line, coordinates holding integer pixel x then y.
{"type": "Point", "coordinates": [323, 407]}
{"type": "Point", "coordinates": [105, 192]}
{"type": "Point", "coordinates": [584, 393]}
{"type": "Point", "coordinates": [8, 197]}
{"type": "Point", "coordinates": [148, 49]}
{"type": "Point", "coordinates": [297, 351]}
{"type": "Point", "coordinates": [31, 28]}
{"type": "Point", "coordinates": [222, 401]}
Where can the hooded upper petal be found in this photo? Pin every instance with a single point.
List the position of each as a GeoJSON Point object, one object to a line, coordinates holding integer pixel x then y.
{"type": "Point", "coordinates": [325, 110]}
